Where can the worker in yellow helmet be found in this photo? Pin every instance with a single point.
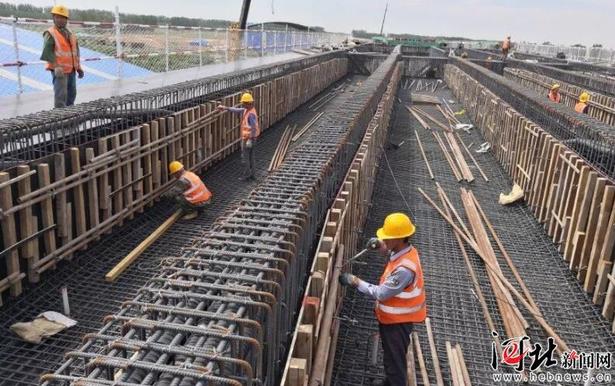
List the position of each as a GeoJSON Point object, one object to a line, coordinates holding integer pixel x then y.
{"type": "Point", "coordinates": [61, 52]}
{"type": "Point", "coordinates": [400, 294]}
{"type": "Point", "coordinates": [554, 94]}
{"type": "Point", "coordinates": [189, 190]}
{"type": "Point", "coordinates": [250, 131]}
{"type": "Point", "coordinates": [582, 106]}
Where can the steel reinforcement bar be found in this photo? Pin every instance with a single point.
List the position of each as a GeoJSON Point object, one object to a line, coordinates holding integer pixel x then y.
{"type": "Point", "coordinates": [601, 107]}
{"type": "Point", "coordinates": [51, 209]}
{"type": "Point", "coordinates": [566, 194]}
{"type": "Point", "coordinates": [311, 352]}
{"type": "Point", "coordinates": [221, 311]}
{"type": "Point", "coordinates": [590, 138]}
{"type": "Point", "coordinates": [37, 135]}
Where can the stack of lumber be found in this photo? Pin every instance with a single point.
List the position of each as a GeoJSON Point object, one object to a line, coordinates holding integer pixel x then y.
{"type": "Point", "coordinates": [282, 149]}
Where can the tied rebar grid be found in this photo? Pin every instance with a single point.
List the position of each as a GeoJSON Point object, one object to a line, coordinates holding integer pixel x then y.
{"type": "Point", "coordinates": [222, 310]}
{"type": "Point", "coordinates": [590, 138]}
{"type": "Point", "coordinates": [35, 136]}
{"type": "Point", "coordinates": [22, 363]}
{"type": "Point", "coordinates": [455, 312]}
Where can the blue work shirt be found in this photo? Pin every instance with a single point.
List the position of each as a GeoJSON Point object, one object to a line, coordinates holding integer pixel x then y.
{"type": "Point", "coordinates": [394, 284]}
{"type": "Point", "coordinates": [251, 119]}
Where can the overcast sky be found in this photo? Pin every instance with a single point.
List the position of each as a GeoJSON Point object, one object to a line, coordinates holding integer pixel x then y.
{"type": "Point", "coordinates": [558, 21]}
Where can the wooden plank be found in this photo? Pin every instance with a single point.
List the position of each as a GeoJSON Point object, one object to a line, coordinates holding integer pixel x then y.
{"type": "Point", "coordinates": [602, 228]}
{"type": "Point", "coordinates": [578, 207]}
{"type": "Point", "coordinates": [9, 237]}
{"type": "Point", "coordinates": [297, 372]}
{"type": "Point", "coordinates": [604, 267]}
{"type": "Point", "coordinates": [27, 226]}
{"type": "Point", "coordinates": [164, 152]}
{"type": "Point", "coordinates": [118, 199]}
{"type": "Point", "coordinates": [62, 215]}
{"type": "Point", "coordinates": [609, 300]}
{"type": "Point", "coordinates": [600, 193]}
{"type": "Point", "coordinates": [127, 179]}
{"type": "Point", "coordinates": [78, 195]}
{"type": "Point", "coordinates": [434, 353]}
{"type": "Point", "coordinates": [305, 344]}
{"type": "Point", "coordinates": [93, 199]}
{"type": "Point", "coordinates": [104, 189]}
{"type": "Point", "coordinates": [114, 273]}
{"type": "Point", "coordinates": [574, 254]}
{"type": "Point", "coordinates": [49, 237]}
{"type": "Point", "coordinates": [155, 161]}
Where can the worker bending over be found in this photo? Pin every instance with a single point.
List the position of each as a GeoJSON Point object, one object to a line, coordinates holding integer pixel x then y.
{"type": "Point", "coordinates": [61, 52]}
{"type": "Point", "coordinates": [250, 131]}
{"type": "Point", "coordinates": [400, 294]}
{"type": "Point", "coordinates": [554, 95]}
{"type": "Point", "coordinates": [189, 190]}
{"type": "Point", "coordinates": [582, 106]}
{"type": "Point", "coordinates": [506, 44]}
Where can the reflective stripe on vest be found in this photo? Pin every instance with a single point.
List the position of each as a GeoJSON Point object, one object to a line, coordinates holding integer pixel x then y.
{"type": "Point", "coordinates": [246, 131]}
{"type": "Point", "coordinates": [197, 192]}
{"type": "Point", "coordinates": [555, 97]}
{"type": "Point", "coordinates": [579, 107]}
{"type": "Point", "coordinates": [65, 51]}
{"type": "Point", "coordinates": [409, 305]}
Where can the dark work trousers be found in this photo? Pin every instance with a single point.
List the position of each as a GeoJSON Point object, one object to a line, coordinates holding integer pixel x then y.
{"type": "Point", "coordinates": [247, 158]}
{"type": "Point", "coordinates": [395, 340]}
{"type": "Point", "coordinates": [187, 206]}
{"type": "Point", "coordinates": [64, 89]}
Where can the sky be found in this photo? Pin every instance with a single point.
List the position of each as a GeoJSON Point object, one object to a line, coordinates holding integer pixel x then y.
{"type": "Point", "coordinates": [558, 21]}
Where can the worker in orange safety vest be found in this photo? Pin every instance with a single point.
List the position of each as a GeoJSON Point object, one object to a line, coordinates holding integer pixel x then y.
{"type": "Point", "coordinates": [189, 190]}
{"type": "Point", "coordinates": [554, 94]}
{"type": "Point", "coordinates": [400, 294]}
{"type": "Point", "coordinates": [61, 52]}
{"type": "Point", "coordinates": [582, 106]}
{"type": "Point", "coordinates": [250, 131]}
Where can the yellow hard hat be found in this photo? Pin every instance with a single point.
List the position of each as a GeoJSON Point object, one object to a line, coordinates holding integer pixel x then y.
{"type": "Point", "coordinates": [175, 166]}
{"type": "Point", "coordinates": [396, 226]}
{"type": "Point", "coordinates": [584, 97]}
{"type": "Point", "coordinates": [246, 98]}
{"type": "Point", "coordinates": [555, 86]}
{"type": "Point", "coordinates": [60, 10]}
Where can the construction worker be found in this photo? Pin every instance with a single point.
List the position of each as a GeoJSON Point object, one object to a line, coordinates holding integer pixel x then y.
{"type": "Point", "coordinates": [250, 131]}
{"type": "Point", "coordinates": [506, 44]}
{"type": "Point", "coordinates": [554, 93]}
{"type": "Point", "coordinates": [189, 190]}
{"type": "Point", "coordinates": [582, 106]}
{"type": "Point", "coordinates": [400, 294]}
{"type": "Point", "coordinates": [61, 52]}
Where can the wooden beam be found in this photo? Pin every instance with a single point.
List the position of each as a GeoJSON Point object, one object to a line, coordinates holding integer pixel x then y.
{"type": "Point", "coordinates": [114, 273]}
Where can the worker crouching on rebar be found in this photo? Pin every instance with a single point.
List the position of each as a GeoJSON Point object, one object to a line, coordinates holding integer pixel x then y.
{"type": "Point", "coordinates": [189, 190]}
{"type": "Point", "coordinates": [400, 294]}
{"type": "Point", "coordinates": [250, 131]}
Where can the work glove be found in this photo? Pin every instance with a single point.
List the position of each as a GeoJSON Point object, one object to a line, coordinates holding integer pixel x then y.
{"type": "Point", "coordinates": [80, 73]}
{"type": "Point", "coordinates": [58, 72]}
{"type": "Point", "coordinates": [249, 144]}
{"type": "Point", "coordinates": [348, 279]}
{"type": "Point", "coordinates": [373, 243]}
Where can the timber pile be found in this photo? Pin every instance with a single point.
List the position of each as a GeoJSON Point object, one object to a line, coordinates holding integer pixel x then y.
{"type": "Point", "coordinates": [281, 149]}
{"type": "Point", "coordinates": [573, 201]}
{"type": "Point", "coordinates": [454, 157]}
{"type": "Point", "coordinates": [601, 107]}
{"type": "Point", "coordinates": [58, 205]}
{"type": "Point", "coordinates": [478, 240]}
{"type": "Point", "coordinates": [312, 349]}
{"type": "Point", "coordinates": [459, 371]}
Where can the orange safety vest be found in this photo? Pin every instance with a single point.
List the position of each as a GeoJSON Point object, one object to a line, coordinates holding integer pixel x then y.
{"type": "Point", "coordinates": [245, 128]}
{"type": "Point", "coordinates": [197, 193]}
{"type": "Point", "coordinates": [555, 97]}
{"type": "Point", "coordinates": [409, 305]}
{"type": "Point", "coordinates": [579, 107]}
{"type": "Point", "coordinates": [66, 52]}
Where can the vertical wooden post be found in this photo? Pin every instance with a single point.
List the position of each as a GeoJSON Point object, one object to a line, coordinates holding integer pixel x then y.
{"type": "Point", "coordinates": [28, 226]}
{"type": "Point", "coordinates": [104, 189]}
{"type": "Point", "coordinates": [78, 196]}
{"type": "Point", "coordinates": [93, 199]}
{"type": "Point", "coordinates": [49, 238]}
{"type": "Point", "coordinates": [9, 236]}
